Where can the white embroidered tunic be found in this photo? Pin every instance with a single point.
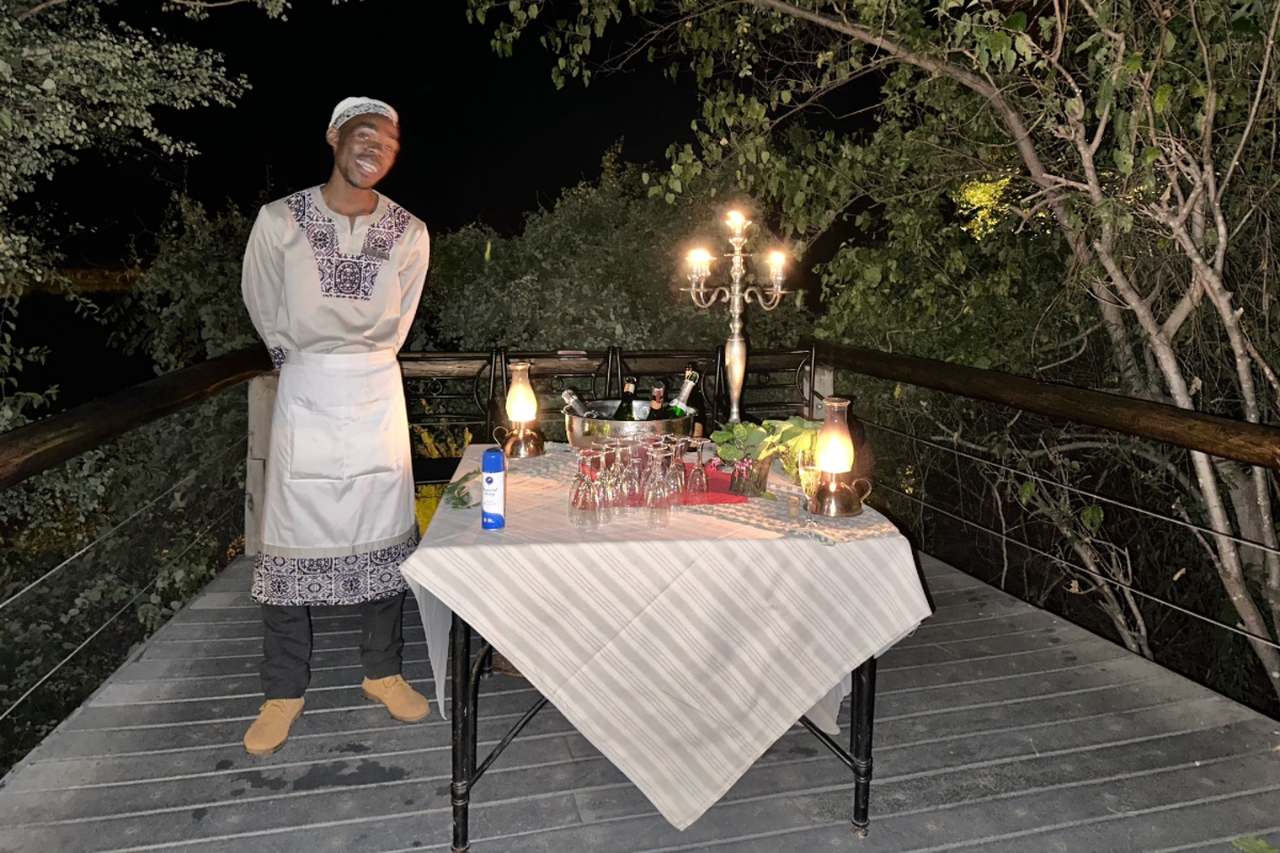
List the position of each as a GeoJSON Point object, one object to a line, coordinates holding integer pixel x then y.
{"type": "Point", "coordinates": [334, 300]}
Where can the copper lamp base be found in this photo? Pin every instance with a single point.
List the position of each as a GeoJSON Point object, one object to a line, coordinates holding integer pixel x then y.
{"type": "Point", "coordinates": [837, 496]}
{"type": "Point", "coordinates": [522, 443]}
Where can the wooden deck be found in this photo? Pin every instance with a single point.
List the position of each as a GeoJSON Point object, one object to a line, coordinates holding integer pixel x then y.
{"type": "Point", "coordinates": [999, 728]}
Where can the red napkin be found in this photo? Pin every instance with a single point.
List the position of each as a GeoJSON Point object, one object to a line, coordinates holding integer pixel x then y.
{"type": "Point", "coordinates": [718, 487]}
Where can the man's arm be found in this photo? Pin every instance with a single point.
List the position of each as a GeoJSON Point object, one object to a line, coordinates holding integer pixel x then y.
{"type": "Point", "coordinates": [262, 283]}
{"type": "Point", "coordinates": [412, 277]}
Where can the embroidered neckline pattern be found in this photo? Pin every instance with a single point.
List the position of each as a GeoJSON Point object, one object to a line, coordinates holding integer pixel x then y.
{"type": "Point", "coordinates": [344, 276]}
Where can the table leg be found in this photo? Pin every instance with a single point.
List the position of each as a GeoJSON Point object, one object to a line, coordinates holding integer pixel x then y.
{"type": "Point", "coordinates": [862, 710]}
{"type": "Point", "coordinates": [464, 731]}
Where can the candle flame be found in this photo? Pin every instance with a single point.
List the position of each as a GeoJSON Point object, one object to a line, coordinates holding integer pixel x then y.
{"type": "Point", "coordinates": [699, 262]}
{"type": "Point", "coordinates": [736, 221]}
{"type": "Point", "coordinates": [776, 261]}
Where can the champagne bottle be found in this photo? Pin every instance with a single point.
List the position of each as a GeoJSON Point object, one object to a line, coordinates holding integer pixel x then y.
{"type": "Point", "coordinates": [624, 412]}
{"type": "Point", "coordinates": [680, 405]}
{"type": "Point", "coordinates": [573, 401]}
{"type": "Point", "coordinates": [657, 399]}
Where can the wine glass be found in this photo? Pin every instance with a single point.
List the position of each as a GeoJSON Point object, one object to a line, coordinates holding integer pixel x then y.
{"type": "Point", "coordinates": [695, 487]}
{"type": "Point", "coordinates": [633, 474]}
{"type": "Point", "coordinates": [657, 496]}
{"type": "Point", "coordinates": [584, 502]}
{"type": "Point", "coordinates": [675, 471]}
{"type": "Point", "coordinates": [807, 469]}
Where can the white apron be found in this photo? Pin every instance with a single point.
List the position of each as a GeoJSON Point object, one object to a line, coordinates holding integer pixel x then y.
{"type": "Point", "coordinates": [339, 515]}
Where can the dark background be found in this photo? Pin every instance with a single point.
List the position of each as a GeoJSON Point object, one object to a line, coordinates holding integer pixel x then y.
{"type": "Point", "coordinates": [484, 139]}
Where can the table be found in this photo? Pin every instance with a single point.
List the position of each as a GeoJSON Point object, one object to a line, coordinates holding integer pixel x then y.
{"type": "Point", "coordinates": [681, 653]}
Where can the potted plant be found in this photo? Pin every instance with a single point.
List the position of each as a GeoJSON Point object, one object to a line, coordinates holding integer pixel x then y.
{"type": "Point", "coordinates": [745, 451]}
{"type": "Point", "coordinates": [748, 450]}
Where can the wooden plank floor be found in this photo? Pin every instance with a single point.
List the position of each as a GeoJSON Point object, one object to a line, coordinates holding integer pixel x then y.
{"type": "Point", "coordinates": [999, 728]}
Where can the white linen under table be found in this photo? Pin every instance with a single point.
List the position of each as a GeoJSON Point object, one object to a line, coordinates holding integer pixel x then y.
{"type": "Point", "coordinates": [680, 652]}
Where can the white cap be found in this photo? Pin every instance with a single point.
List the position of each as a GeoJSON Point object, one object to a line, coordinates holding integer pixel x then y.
{"type": "Point", "coordinates": [349, 108]}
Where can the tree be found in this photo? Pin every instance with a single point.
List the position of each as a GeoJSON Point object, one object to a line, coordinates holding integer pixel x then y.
{"type": "Point", "coordinates": [72, 80]}
{"type": "Point", "coordinates": [600, 267]}
{"type": "Point", "coordinates": [1134, 142]}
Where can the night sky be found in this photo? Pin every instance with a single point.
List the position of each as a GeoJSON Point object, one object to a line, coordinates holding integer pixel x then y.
{"type": "Point", "coordinates": [484, 139]}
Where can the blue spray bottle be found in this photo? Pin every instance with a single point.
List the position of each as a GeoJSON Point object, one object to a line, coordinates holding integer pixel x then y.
{"type": "Point", "coordinates": [493, 503]}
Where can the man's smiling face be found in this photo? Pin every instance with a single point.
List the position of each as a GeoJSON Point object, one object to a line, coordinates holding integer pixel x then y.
{"type": "Point", "coordinates": [365, 149]}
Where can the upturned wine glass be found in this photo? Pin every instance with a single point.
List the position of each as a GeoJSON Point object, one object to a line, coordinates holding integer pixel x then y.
{"type": "Point", "coordinates": [695, 487]}
{"type": "Point", "coordinates": [584, 502]}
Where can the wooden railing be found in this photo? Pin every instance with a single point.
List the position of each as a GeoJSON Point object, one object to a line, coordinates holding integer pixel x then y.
{"type": "Point", "coordinates": [1257, 444]}
{"type": "Point", "coordinates": [29, 450]}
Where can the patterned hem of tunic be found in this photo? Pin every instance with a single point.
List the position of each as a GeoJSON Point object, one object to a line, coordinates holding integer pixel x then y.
{"type": "Point", "coordinates": [348, 579]}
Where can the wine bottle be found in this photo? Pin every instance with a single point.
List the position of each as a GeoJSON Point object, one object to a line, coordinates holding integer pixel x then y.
{"type": "Point", "coordinates": [624, 412]}
{"type": "Point", "coordinates": [573, 401]}
{"type": "Point", "coordinates": [680, 405]}
{"type": "Point", "coordinates": [657, 400]}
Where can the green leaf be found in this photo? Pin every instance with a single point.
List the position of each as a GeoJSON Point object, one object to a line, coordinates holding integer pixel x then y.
{"type": "Point", "coordinates": [1026, 492]}
{"type": "Point", "coordinates": [1161, 101]}
{"type": "Point", "coordinates": [729, 452]}
{"type": "Point", "coordinates": [1016, 21]}
{"type": "Point", "coordinates": [1106, 94]}
{"type": "Point", "coordinates": [1091, 517]}
{"type": "Point", "coordinates": [1253, 844]}
{"type": "Point", "coordinates": [1123, 160]}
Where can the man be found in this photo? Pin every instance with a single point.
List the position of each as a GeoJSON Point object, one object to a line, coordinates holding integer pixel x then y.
{"type": "Point", "coordinates": [332, 277]}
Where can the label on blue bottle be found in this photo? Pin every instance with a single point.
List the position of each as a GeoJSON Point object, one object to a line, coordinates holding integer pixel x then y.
{"type": "Point", "coordinates": [493, 501]}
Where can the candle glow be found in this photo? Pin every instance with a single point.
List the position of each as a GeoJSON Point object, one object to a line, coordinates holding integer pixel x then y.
{"type": "Point", "coordinates": [699, 262]}
{"type": "Point", "coordinates": [776, 262]}
{"type": "Point", "coordinates": [834, 451]}
{"type": "Point", "coordinates": [522, 403]}
{"type": "Point", "coordinates": [736, 222]}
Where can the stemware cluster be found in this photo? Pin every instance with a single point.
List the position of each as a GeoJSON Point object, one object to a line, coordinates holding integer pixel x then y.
{"type": "Point", "coordinates": [635, 477]}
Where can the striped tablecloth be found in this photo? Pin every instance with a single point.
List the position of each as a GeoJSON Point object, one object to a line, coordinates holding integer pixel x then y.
{"type": "Point", "coordinates": [683, 652]}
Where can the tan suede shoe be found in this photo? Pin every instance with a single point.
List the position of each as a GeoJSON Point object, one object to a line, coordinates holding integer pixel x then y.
{"type": "Point", "coordinates": [405, 704]}
{"type": "Point", "coordinates": [269, 732]}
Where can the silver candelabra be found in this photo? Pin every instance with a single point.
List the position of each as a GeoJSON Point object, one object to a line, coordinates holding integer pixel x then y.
{"type": "Point", "coordinates": [735, 347]}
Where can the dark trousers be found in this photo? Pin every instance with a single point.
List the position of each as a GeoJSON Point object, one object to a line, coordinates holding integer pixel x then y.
{"type": "Point", "coordinates": [286, 644]}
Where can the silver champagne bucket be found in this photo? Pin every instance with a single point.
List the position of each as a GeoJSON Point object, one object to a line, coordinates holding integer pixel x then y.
{"type": "Point", "coordinates": [583, 431]}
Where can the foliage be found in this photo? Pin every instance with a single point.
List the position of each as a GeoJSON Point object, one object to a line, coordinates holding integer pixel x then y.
{"type": "Point", "coordinates": [601, 267]}
{"type": "Point", "coordinates": [74, 79]}
{"type": "Point", "coordinates": [186, 304]}
{"type": "Point", "coordinates": [735, 442]}
{"type": "Point", "coordinates": [1115, 162]}
{"type": "Point", "coordinates": [783, 439]}
{"type": "Point", "coordinates": [457, 495]}
{"type": "Point", "coordinates": [792, 437]}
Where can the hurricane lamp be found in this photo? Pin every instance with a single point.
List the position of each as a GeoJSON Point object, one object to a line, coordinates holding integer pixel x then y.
{"type": "Point", "coordinates": [838, 492]}
{"type": "Point", "coordinates": [523, 438]}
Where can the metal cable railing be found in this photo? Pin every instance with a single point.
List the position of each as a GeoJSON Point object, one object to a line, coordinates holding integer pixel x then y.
{"type": "Point", "coordinates": [189, 478]}
{"type": "Point", "coordinates": [1191, 525]}
{"type": "Point", "coordinates": [1059, 560]}
{"type": "Point", "coordinates": [111, 619]}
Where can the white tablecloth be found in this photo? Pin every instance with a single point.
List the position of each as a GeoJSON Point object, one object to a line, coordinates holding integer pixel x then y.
{"type": "Point", "coordinates": [682, 653]}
